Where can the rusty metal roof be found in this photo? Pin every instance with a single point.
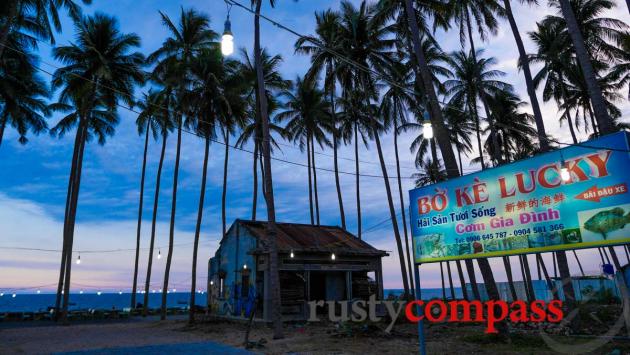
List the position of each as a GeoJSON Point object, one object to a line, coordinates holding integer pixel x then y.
{"type": "Point", "coordinates": [311, 238]}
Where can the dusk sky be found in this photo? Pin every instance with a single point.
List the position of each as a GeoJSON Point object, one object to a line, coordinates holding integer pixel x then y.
{"type": "Point", "coordinates": [33, 177]}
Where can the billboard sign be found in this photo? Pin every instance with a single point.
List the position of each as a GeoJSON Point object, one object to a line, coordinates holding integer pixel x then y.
{"type": "Point", "coordinates": [527, 206]}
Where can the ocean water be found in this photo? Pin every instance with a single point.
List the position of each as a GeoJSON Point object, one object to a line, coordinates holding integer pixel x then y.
{"type": "Point", "coordinates": [26, 302]}
{"type": "Point", "coordinates": [32, 302]}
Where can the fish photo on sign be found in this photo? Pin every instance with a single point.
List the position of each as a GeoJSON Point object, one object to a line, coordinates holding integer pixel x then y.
{"type": "Point", "coordinates": [607, 223]}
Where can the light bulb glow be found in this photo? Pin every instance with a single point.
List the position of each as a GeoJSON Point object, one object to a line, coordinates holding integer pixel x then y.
{"type": "Point", "coordinates": [120, 292]}
{"type": "Point", "coordinates": [98, 293]}
{"type": "Point", "coordinates": [564, 174]}
{"type": "Point", "coordinates": [38, 291]}
{"type": "Point", "coordinates": [1, 294]}
{"type": "Point", "coordinates": [81, 292]}
{"type": "Point", "coordinates": [227, 44]}
{"type": "Point", "coordinates": [427, 130]}
{"type": "Point", "coordinates": [13, 295]}
{"type": "Point", "coordinates": [211, 283]}
{"type": "Point", "coordinates": [159, 254]}
{"type": "Point", "coordinates": [244, 266]}
{"type": "Point", "coordinates": [79, 259]}
{"type": "Point", "coordinates": [332, 256]}
{"type": "Point", "coordinates": [292, 255]}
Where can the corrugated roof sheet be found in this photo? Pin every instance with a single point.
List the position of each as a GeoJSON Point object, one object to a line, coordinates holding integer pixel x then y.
{"type": "Point", "coordinates": [306, 237]}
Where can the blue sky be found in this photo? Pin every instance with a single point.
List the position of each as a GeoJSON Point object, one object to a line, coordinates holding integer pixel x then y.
{"type": "Point", "coordinates": [33, 177]}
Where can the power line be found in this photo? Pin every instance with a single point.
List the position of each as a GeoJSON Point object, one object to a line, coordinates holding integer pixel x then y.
{"type": "Point", "coordinates": [98, 251]}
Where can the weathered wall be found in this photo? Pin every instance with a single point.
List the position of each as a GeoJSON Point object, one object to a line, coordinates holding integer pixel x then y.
{"type": "Point", "coordinates": [232, 255]}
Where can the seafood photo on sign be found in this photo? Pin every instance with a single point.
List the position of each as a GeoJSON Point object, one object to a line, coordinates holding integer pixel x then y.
{"type": "Point", "coordinates": [605, 223]}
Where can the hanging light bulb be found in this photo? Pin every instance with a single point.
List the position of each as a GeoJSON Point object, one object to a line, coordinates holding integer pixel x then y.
{"type": "Point", "coordinates": [159, 254]}
{"type": "Point", "coordinates": [332, 256]}
{"type": "Point", "coordinates": [38, 292]}
{"type": "Point", "coordinates": [211, 283]}
{"type": "Point", "coordinates": [292, 255]}
{"type": "Point", "coordinates": [120, 292]}
{"type": "Point", "coordinates": [427, 129]}
{"type": "Point", "coordinates": [81, 292]}
{"type": "Point", "coordinates": [98, 293]}
{"type": "Point", "coordinates": [1, 294]}
{"type": "Point", "coordinates": [227, 40]}
{"type": "Point", "coordinates": [244, 266]}
{"type": "Point", "coordinates": [13, 295]}
{"type": "Point", "coordinates": [79, 259]}
{"type": "Point", "coordinates": [174, 290]}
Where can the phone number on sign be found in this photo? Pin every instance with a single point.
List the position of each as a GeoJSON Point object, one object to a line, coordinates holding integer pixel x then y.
{"type": "Point", "coordinates": [516, 232]}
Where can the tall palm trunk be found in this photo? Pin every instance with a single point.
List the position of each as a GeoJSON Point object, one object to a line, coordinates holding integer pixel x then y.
{"type": "Point", "coordinates": [226, 139]}
{"type": "Point", "coordinates": [315, 180]}
{"type": "Point", "coordinates": [596, 130]}
{"type": "Point", "coordinates": [3, 123]}
{"type": "Point", "coordinates": [255, 187]}
{"type": "Point", "coordinates": [529, 82]}
{"type": "Point", "coordinates": [71, 178]}
{"type": "Point", "coordinates": [171, 234]}
{"type": "Point", "coordinates": [462, 280]}
{"type": "Point", "coordinates": [357, 177]}
{"type": "Point", "coordinates": [274, 279]}
{"type": "Point", "coordinates": [470, 268]}
{"type": "Point", "coordinates": [459, 160]}
{"type": "Point", "coordinates": [336, 160]}
{"type": "Point", "coordinates": [450, 279]}
{"type": "Point", "coordinates": [508, 272]}
{"type": "Point", "coordinates": [442, 279]}
{"type": "Point", "coordinates": [478, 133]}
{"type": "Point", "coordinates": [594, 91]}
{"type": "Point", "coordinates": [579, 263]}
{"type": "Point", "coordinates": [147, 281]}
{"type": "Point", "coordinates": [402, 207]}
{"type": "Point", "coordinates": [202, 196]}
{"type": "Point", "coordinates": [528, 278]}
{"type": "Point", "coordinates": [435, 112]}
{"type": "Point", "coordinates": [310, 178]}
{"type": "Point", "coordinates": [392, 213]}
{"type": "Point", "coordinates": [72, 219]}
{"type": "Point", "coordinates": [135, 268]}
{"type": "Point", "coordinates": [571, 129]}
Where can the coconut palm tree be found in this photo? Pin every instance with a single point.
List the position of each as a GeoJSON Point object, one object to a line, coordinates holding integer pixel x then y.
{"type": "Point", "coordinates": [430, 172]}
{"type": "Point", "coordinates": [149, 106]}
{"type": "Point", "coordinates": [251, 129]}
{"type": "Point", "coordinates": [35, 16]}
{"type": "Point", "coordinates": [474, 79]}
{"type": "Point", "coordinates": [205, 101]}
{"type": "Point", "coordinates": [308, 120]}
{"type": "Point", "coordinates": [322, 60]}
{"type": "Point", "coordinates": [362, 38]}
{"type": "Point", "coordinates": [272, 231]}
{"type": "Point", "coordinates": [568, 9]}
{"type": "Point", "coordinates": [22, 91]}
{"type": "Point", "coordinates": [100, 60]}
{"type": "Point", "coordinates": [524, 65]}
{"type": "Point", "coordinates": [172, 61]}
{"type": "Point", "coordinates": [165, 123]}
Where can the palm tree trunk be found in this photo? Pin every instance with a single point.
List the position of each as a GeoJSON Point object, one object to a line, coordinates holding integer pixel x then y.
{"type": "Point", "coordinates": [528, 278]}
{"type": "Point", "coordinates": [462, 281]}
{"type": "Point", "coordinates": [571, 129]}
{"type": "Point", "coordinates": [3, 124]}
{"type": "Point", "coordinates": [478, 133]}
{"type": "Point", "coordinates": [357, 176]}
{"type": "Point", "coordinates": [315, 180]}
{"type": "Point", "coordinates": [450, 279]}
{"type": "Point", "coordinates": [459, 159]}
{"type": "Point", "coordinates": [271, 212]}
{"type": "Point", "coordinates": [147, 281]}
{"type": "Point", "coordinates": [171, 235]}
{"type": "Point", "coordinates": [310, 179]}
{"type": "Point", "coordinates": [392, 213]}
{"type": "Point", "coordinates": [470, 268]}
{"type": "Point", "coordinates": [202, 195]}
{"type": "Point", "coordinates": [335, 160]}
{"type": "Point", "coordinates": [435, 112]}
{"type": "Point", "coordinates": [442, 279]}
{"type": "Point", "coordinates": [596, 129]}
{"type": "Point", "coordinates": [226, 137]}
{"type": "Point", "coordinates": [135, 268]}
{"type": "Point", "coordinates": [508, 271]}
{"type": "Point", "coordinates": [255, 187]}
{"type": "Point", "coordinates": [597, 99]}
{"type": "Point", "coordinates": [550, 284]}
{"type": "Point", "coordinates": [71, 220]}
{"type": "Point", "coordinates": [12, 15]}
{"type": "Point", "coordinates": [71, 178]}
{"type": "Point", "coordinates": [579, 263]}
{"type": "Point", "coordinates": [529, 82]}
{"type": "Point", "coordinates": [402, 207]}
{"type": "Point", "coordinates": [262, 172]}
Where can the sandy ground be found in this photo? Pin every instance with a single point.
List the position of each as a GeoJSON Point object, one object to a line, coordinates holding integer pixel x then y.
{"type": "Point", "coordinates": [299, 339]}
